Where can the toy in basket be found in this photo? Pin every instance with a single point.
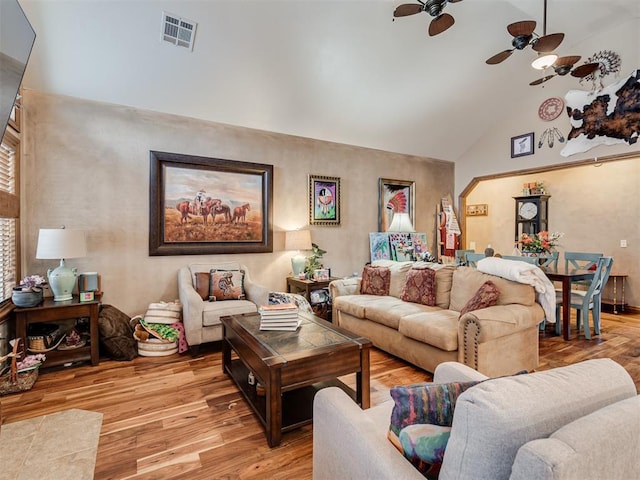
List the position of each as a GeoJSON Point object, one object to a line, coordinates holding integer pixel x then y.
{"type": "Point", "coordinates": [154, 339]}
{"type": "Point", "coordinates": [22, 375]}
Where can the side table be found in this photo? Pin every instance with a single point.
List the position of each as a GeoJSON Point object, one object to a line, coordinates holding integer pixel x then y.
{"type": "Point", "coordinates": [305, 287]}
{"type": "Point", "coordinates": [50, 311]}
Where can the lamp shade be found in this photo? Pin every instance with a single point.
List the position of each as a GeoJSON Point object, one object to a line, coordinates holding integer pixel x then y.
{"type": "Point", "coordinates": [544, 61]}
{"type": "Point", "coordinates": [297, 240]}
{"type": "Point", "coordinates": [401, 223]}
{"type": "Point", "coordinates": [61, 243]}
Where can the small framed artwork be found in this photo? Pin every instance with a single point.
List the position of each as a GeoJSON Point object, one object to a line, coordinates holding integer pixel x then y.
{"type": "Point", "coordinates": [522, 145]}
{"type": "Point", "coordinates": [395, 196]}
{"type": "Point", "coordinates": [324, 200]}
{"type": "Point", "coordinates": [477, 210]}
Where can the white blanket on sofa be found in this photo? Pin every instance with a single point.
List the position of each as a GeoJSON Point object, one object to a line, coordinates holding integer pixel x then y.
{"type": "Point", "coordinates": [523, 272]}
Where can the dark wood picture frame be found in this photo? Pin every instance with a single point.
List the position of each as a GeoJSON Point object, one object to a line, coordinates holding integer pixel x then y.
{"type": "Point", "coordinates": [395, 196]}
{"type": "Point", "coordinates": [237, 208]}
{"type": "Point", "coordinates": [324, 200]}
{"type": "Point", "coordinates": [522, 145]}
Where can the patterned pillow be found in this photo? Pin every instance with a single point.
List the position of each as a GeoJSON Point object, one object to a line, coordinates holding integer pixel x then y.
{"type": "Point", "coordinates": [424, 446]}
{"type": "Point", "coordinates": [226, 285]}
{"type": "Point", "coordinates": [486, 296]}
{"type": "Point", "coordinates": [375, 280]}
{"type": "Point", "coordinates": [203, 284]}
{"type": "Point", "coordinates": [420, 287]}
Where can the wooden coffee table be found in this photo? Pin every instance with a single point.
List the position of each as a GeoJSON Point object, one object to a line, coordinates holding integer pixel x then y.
{"type": "Point", "coordinates": [292, 367]}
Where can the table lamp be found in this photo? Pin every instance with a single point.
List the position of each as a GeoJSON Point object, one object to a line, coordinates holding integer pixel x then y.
{"type": "Point", "coordinates": [298, 240]}
{"type": "Point", "coordinates": [61, 243]}
{"type": "Point", "coordinates": [401, 223]}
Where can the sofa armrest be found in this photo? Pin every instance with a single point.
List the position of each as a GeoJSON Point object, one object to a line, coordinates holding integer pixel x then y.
{"type": "Point", "coordinates": [448, 372]}
{"type": "Point", "coordinates": [347, 444]}
{"type": "Point", "coordinates": [255, 292]}
{"type": "Point", "coordinates": [192, 307]}
{"type": "Point", "coordinates": [345, 286]}
{"type": "Point", "coordinates": [500, 320]}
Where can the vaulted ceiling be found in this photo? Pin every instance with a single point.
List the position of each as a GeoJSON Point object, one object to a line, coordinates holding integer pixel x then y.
{"type": "Point", "coordinates": [334, 70]}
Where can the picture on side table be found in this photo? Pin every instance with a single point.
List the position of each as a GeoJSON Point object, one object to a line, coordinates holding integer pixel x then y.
{"type": "Point", "coordinates": [324, 200]}
{"type": "Point", "coordinates": [394, 196]}
{"type": "Point", "coordinates": [201, 205]}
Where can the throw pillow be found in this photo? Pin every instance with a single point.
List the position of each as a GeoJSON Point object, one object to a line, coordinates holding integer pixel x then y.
{"type": "Point", "coordinates": [420, 287]}
{"type": "Point", "coordinates": [486, 296]}
{"type": "Point", "coordinates": [203, 284]}
{"type": "Point", "coordinates": [375, 280]}
{"type": "Point", "coordinates": [424, 447]}
{"type": "Point", "coordinates": [226, 285]}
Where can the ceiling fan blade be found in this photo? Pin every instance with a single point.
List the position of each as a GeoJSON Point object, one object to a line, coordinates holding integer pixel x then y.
{"type": "Point", "coordinates": [541, 80]}
{"type": "Point", "coordinates": [548, 43]}
{"type": "Point", "coordinates": [454, 1]}
{"type": "Point", "coordinates": [526, 27]}
{"type": "Point", "coordinates": [407, 9]}
{"type": "Point", "coordinates": [440, 24]}
{"type": "Point", "coordinates": [499, 57]}
{"type": "Point", "coordinates": [584, 70]}
{"type": "Point", "coordinates": [568, 61]}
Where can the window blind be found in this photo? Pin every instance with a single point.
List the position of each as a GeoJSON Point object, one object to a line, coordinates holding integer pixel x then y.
{"type": "Point", "coordinates": [8, 225]}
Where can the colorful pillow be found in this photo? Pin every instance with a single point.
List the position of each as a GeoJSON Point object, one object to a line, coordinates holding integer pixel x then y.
{"type": "Point", "coordinates": [375, 280]}
{"type": "Point", "coordinates": [424, 446]}
{"type": "Point", "coordinates": [486, 296]}
{"type": "Point", "coordinates": [203, 284]}
{"type": "Point", "coordinates": [420, 287]}
{"type": "Point", "coordinates": [226, 285]}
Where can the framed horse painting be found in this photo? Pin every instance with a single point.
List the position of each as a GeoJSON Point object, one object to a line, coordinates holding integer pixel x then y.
{"type": "Point", "coordinates": [202, 205]}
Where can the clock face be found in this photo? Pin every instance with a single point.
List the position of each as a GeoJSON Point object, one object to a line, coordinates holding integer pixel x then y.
{"type": "Point", "coordinates": [528, 210]}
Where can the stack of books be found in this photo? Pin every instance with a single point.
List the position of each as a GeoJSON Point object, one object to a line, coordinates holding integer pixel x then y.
{"type": "Point", "coordinates": [281, 316]}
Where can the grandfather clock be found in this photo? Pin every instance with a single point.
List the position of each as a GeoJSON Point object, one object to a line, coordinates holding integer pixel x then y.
{"type": "Point", "coordinates": [532, 214]}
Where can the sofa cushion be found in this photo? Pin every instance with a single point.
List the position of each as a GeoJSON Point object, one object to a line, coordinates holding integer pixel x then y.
{"type": "Point", "coordinates": [389, 310]}
{"type": "Point", "coordinates": [214, 310]}
{"type": "Point", "coordinates": [424, 447]}
{"type": "Point", "coordinates": [398, 274]}
{"type": "Point", "coordinates": [467, 280]}
{"type": "Point", "coordinates": [420, 287]}
{"type": "Point", "coordinates": [434, 326]}
{"type": "Point", "coordinates": [444, 278]}
{"type": "Point", "coordinates": [226, 285]}
{"type": "Point", "coordinates": [375, 280]}
{"type": "Point", "coordinates": [486, 296]}
{"type": "Point", "coordinates": [202, 284]}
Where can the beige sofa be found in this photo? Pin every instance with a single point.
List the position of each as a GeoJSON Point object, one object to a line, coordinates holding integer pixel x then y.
{"type": "Point", "coordinates": [571, 423]}
{"type": "Point", "coordinates": [497, 340]}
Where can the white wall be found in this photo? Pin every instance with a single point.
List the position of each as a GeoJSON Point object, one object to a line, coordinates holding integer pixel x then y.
{"type": "Point", "coordinates": [86, 165]}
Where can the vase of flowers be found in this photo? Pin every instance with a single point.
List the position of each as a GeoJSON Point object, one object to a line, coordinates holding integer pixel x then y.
{"type": "Point", "coordinates": [29, 292]}
{"type": "Point", "coordinates": [540, 244]}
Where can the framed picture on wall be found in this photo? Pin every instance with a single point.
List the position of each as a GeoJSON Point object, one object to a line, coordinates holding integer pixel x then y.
{"type": "Point", "coordinates": [202, 205]}
{"type": "Point", "coordinates": [324, 200]}
{"type": "Point", "coordinates": [522, 145]}
{"type": "Point", "coordinates": [395, 196]}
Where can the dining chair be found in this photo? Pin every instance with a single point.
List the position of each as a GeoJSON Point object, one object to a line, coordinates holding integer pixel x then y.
{"type": "Point", "coordinates": [521, 258]}
{"type": "Point", "coordinates": [472, 258]}
{"type": "Point", "coordinates": [581, 261]}
{"type": "Point", "coordinates": [550, 260]}
{"type": "Point", "coordinates": [461, 256]}
{"type": "Point", "coordinates": [589, 300]}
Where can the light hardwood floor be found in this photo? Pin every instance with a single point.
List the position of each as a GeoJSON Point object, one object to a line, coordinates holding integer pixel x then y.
{"type": "Point", "coordinates": [179, 417]}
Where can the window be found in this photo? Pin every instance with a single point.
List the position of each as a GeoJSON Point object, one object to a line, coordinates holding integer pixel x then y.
{"type": "Point", "coordinates": [9, 212]}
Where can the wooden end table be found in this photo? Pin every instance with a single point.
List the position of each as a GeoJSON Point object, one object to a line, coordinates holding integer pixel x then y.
{"type": "Point", "coordinates": [292, 367]}
{"type": "Point", "coordinates": [50, 311]}
{"type": "Point", "coordinates": [306, 286]}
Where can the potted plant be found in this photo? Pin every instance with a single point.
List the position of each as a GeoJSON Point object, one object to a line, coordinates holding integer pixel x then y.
{"type": "Point", "coordinates": [313, 260]}
{"type": "Point", "coordinates": [29, 291]}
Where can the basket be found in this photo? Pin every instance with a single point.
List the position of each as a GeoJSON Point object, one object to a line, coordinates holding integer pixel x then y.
{"type": "Point", "coordinates": [13, 382]}
{"type": "Point", "coordinates": [44, 337]}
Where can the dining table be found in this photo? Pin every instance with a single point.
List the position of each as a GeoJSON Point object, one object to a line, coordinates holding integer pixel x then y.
{"type": "Point", "coordinates": [566, 276]}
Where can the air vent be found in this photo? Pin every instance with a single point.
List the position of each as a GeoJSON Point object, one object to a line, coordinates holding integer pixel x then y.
{"type": "Point", "coordinates": [178, 31]}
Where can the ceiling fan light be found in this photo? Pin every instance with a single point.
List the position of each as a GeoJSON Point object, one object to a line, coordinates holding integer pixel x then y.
{"type": "Point", "coordinates": [544, 61]}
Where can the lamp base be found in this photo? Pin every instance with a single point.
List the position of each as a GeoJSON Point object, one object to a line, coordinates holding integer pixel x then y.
{"type": "Point", "coordinates": [297, 264]}
{"type": "Point", "coordinates": [62, 280]}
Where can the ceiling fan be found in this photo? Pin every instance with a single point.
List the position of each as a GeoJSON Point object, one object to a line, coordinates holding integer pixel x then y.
{"type": "Point", "coordinates": [523, 35]}
{"type": "Point", "coordinates": [564, 65]}
{"type": "Point", "coordinates": [441, 21]}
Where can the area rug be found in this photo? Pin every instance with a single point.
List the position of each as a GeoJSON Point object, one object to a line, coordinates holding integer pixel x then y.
{"type": "Point", "coordinates": [60, 446]}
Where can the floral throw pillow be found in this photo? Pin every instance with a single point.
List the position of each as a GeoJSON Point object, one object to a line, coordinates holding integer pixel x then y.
{"type": "Point", "coordinates": [375, 280]}
{"type": "Point", "coordinates": [486, 296]}
{"type": "Point", "coordinates": [226, 285]}
{"type": "Point", "coordinates": [420, 287]}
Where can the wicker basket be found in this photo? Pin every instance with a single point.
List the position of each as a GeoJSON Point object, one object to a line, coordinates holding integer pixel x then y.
{"type": "Point", "coordinates": [13, 381]}
{"type": "Point", "coordinates": [44, 337]}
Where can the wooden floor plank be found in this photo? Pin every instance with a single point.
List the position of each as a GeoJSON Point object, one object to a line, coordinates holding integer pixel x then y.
{"type": "Point", "coordinates": [180, 417]}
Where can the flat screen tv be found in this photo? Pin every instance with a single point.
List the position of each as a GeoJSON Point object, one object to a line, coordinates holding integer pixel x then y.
{"type": "Point", "coordinates": [16, 41]}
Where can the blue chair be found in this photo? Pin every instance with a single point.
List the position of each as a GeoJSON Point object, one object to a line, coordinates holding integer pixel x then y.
{"type": "Point", "coordinates": [461, 256]}
{"type": "Point", "coordinates": [521, 258]}
{"type": "Point", "coordinates": [549, 259]}
{"type": "Point", "coordinates": [472, 258]}
{"type": "Point", "coordinates": [591, 299]}
{"type": "Point", "coordinates": [581, 261]}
